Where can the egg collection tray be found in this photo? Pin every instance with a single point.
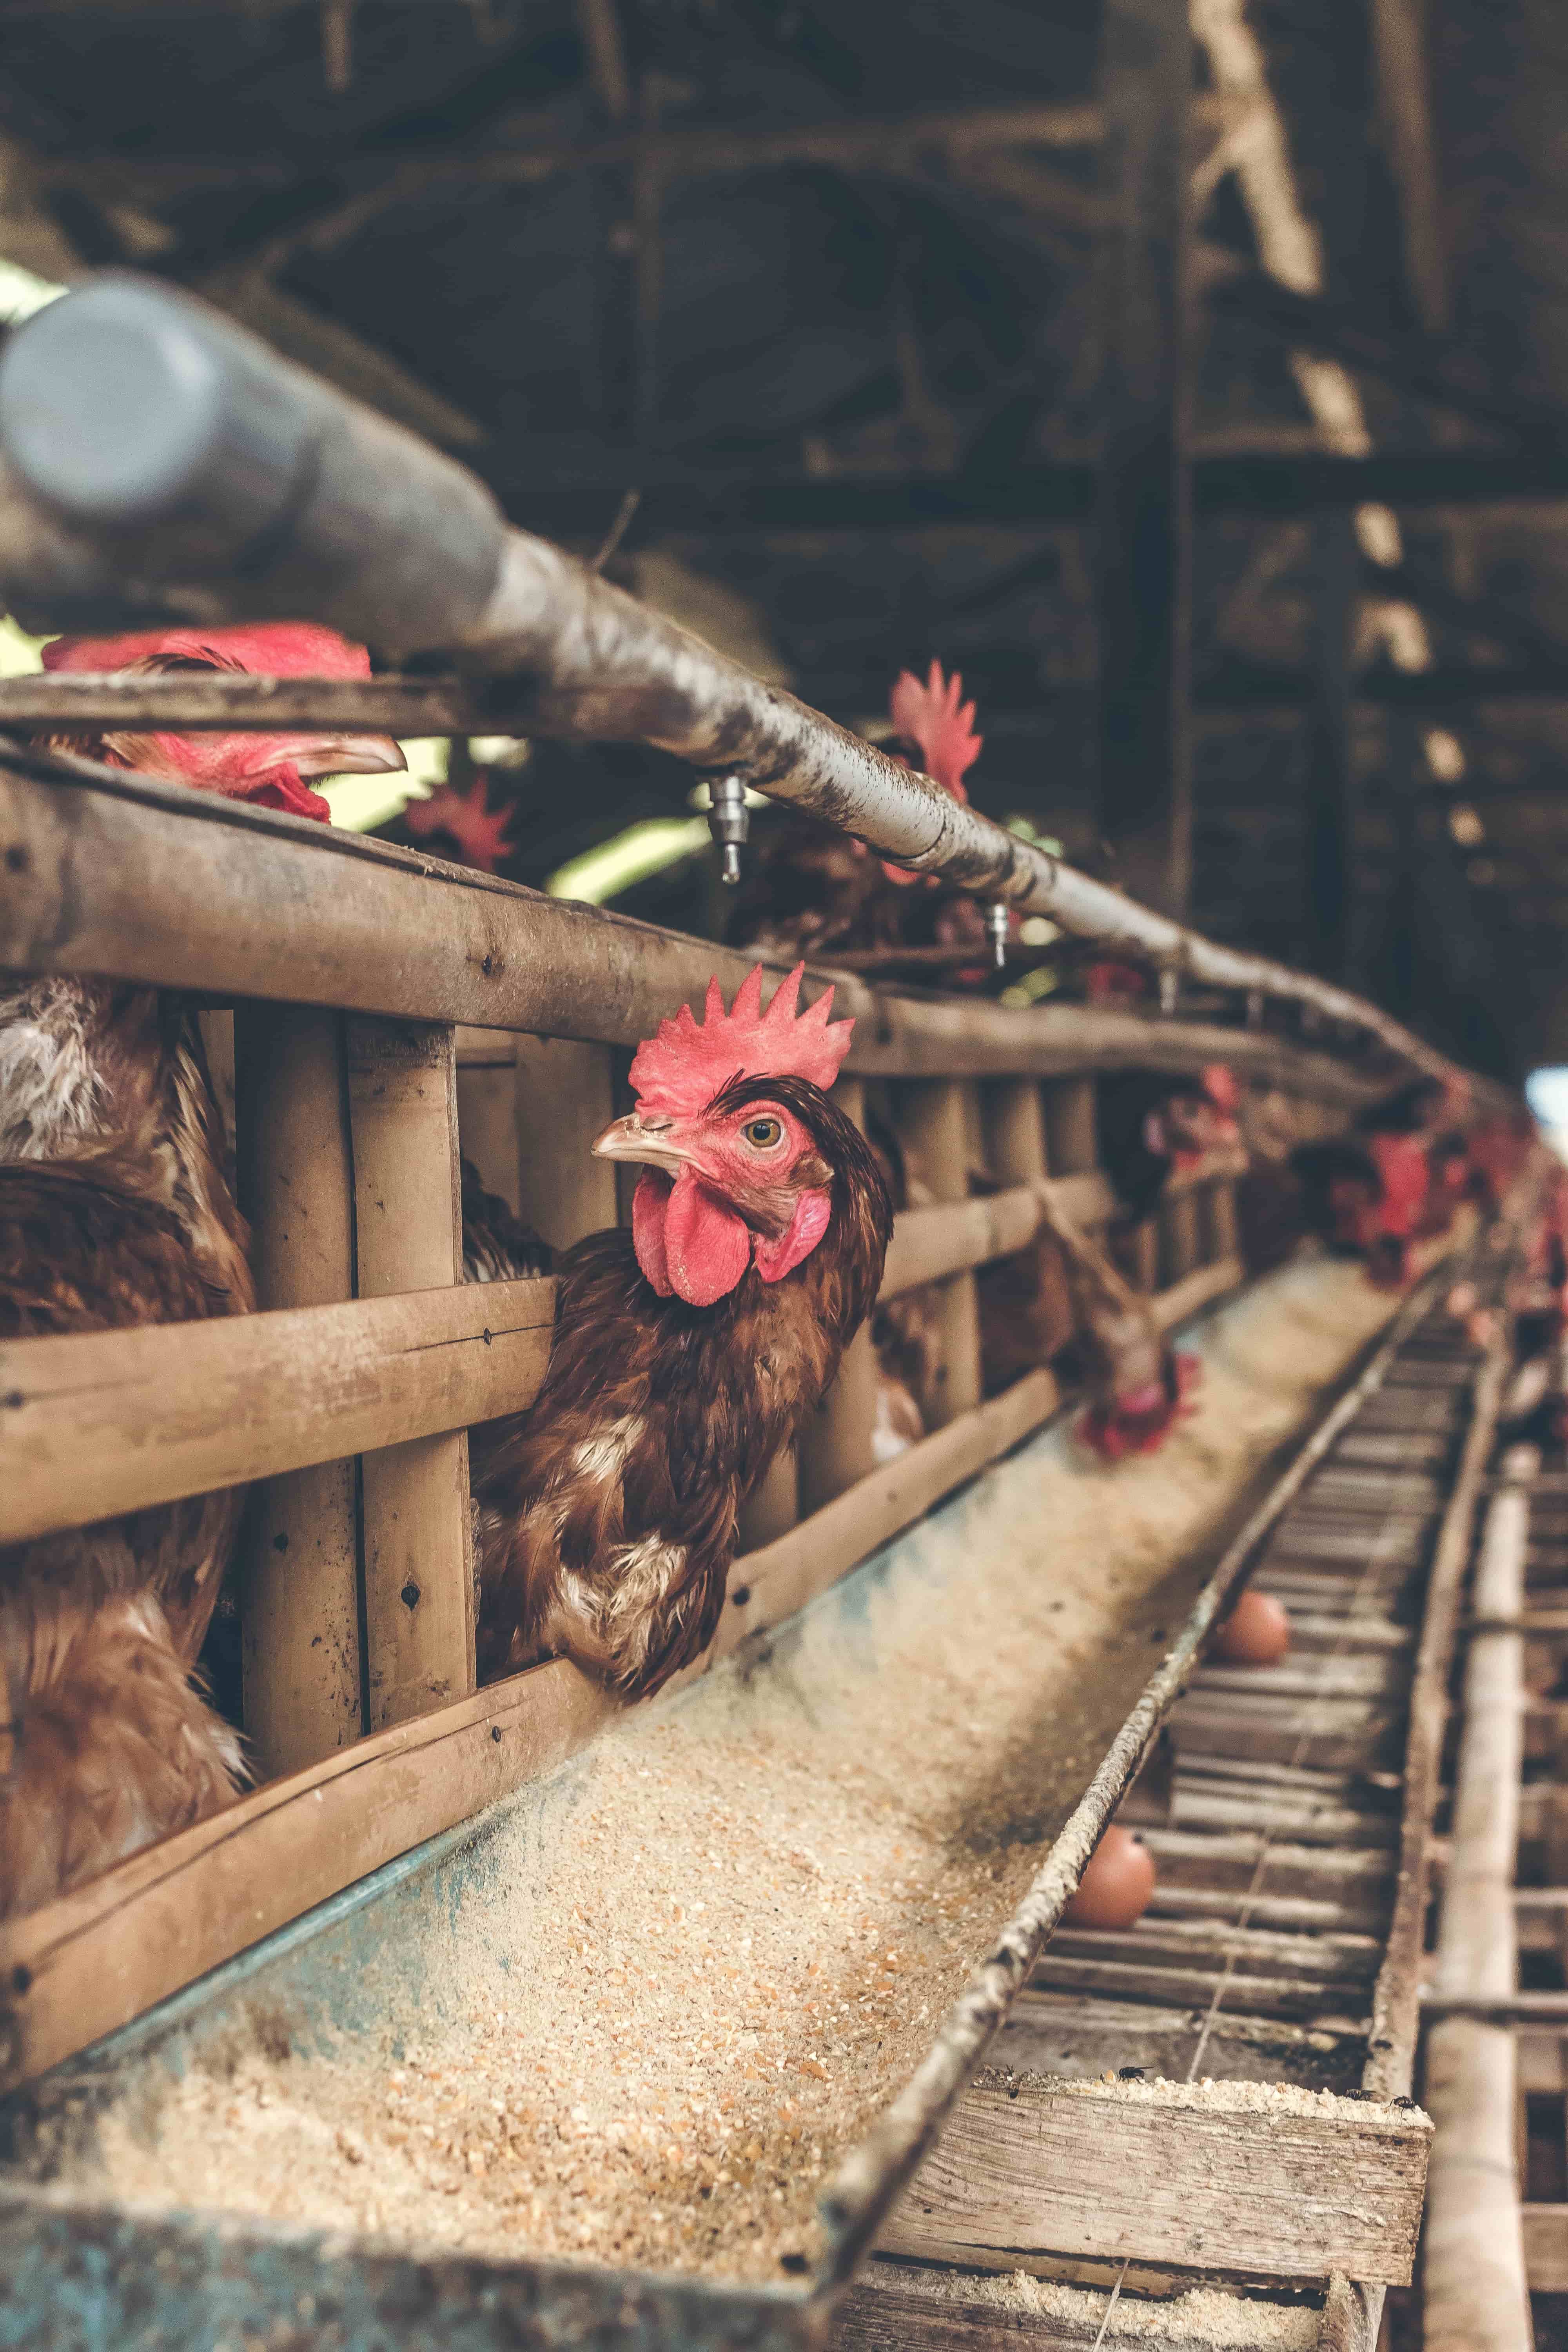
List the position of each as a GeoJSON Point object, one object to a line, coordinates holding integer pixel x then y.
{"type": "Point", "coordinates": [1219, 2094]}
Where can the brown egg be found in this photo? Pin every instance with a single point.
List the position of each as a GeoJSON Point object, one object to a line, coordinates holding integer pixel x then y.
{"type": "Point", "coordinates": [1255, 1633]}
{"type": "Point", "coordinates": [1115, 1888]}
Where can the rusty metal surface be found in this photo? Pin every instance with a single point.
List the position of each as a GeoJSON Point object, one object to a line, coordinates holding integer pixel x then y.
{"type": "Point", "coordinates": [80, 2277]}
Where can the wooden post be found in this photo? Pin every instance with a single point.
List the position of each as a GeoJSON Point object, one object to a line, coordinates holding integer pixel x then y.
{"type": "Point", "coordinates": [1014, 1130]}
{"type": "Point", "coordinates": [1331, 760]}
{"type": "Point", "coordinates": [934, 1123]}
{"type": "Point", "coordinates": [1145, 513]}
{"type": "Point", "coordinates": [418, 1541]}
{"type": "Point", "coordinates": [835, 1447]}
{"type": "Point", "coordinates": [564, 1095]}
{"type": "Point", "coordinates": [1217, 1224]}
{"type": "Point", "coordinates": [487, 1109]}
{"type": "Point", "coordinates": [1071, 1145]}
{"type": "Point", "coordinates": [774, 1506]}
{"type": "Point", "coordinates": [1178, 1232]}
{"type": "Point", "coordinates": [1477, 2295]}
{"type": "Point", "coordinates": [300, 1579]}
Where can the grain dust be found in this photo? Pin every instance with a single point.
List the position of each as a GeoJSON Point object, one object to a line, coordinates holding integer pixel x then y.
{"type": "Point", "coordinates": [692, 1969]}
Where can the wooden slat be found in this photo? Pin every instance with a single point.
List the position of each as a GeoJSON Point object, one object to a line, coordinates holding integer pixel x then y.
{"type": "Point", "coordinates": [299, 1596]}
{"type": "Point", "coordinates": [934, 1122]}
{"type": "Point", "coordinates": [90, 1962]}
{"type": "Point", "coordinates": [145, 880]}
{"type": "Point", "coordinates": [895, 2308]}
{"type": "Point", "coordinates": [1475, 2290]}
{"type": "Point", "coordinates": [767, 1586]}
{"type": "Point", "coordinates": [834, 1449]}
{"type": "Point", "coordinates": [564, 1097]}
{"type": "Point", "coordinates": [487, 1111]}
{"type": "Point", "coordinates": [1212, 2177]}
{"type": "Point", "coordinates": [953, 1237]}
{"type": "Point", "coordinates": [408, 1236]}
{"type": "Point", "coordinates": [1546, 2248]}
{"type": "Point", "coordinates": [112, 1421]}
{"type": "Point", "coordinates": [95, 1958]}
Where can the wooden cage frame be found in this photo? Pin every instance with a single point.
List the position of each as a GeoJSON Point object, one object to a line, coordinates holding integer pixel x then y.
{"type": "Point", "coordinates": [383, 1001]}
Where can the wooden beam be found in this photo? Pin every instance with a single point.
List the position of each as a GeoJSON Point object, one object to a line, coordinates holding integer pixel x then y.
{"type": "Point", "coordinates": [1216, 2176]}
{"type": "Point", "coordinates": [1330, 810]}
{"type": "Point", "coordinates": [1405, 110]}
{"type": "Point", "coordinates": [148, 881]}
{"type": "Point", "coordinates": [355, 365]}
{"type": "Point", "coordinates": [102, 1422]}
{"type": "Point", "coordinates": [1144, 508]}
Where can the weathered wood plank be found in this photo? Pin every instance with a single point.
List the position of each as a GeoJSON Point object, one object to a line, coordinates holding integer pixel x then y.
{"type": "Point", "coordinates": [1214, 2176]}
{"type": "Point", "coordinates": [408, 1236]}
{"type": "Point", "coordinates": [300, 1607]}
{"type": "Point", "coordinates": [1144, 535]}
{"type": "Point", "coordinates": [146, 880]}
{"type": "Point", "coordinates": [110, 1420]}
{"type": "Point", "coordinates": [90, 1961]}
{"type": "Point", "coordinates": [893, 2307]}
{"type": "Point", "coordinates": [1546, 2248]}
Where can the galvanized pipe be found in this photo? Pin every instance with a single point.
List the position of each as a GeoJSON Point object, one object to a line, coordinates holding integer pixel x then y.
{"type": "Point", "coordinates": [160, 459]}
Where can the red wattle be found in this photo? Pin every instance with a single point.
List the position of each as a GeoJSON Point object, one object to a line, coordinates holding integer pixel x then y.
{"type": "Point", "coordinates": [649, 1202]}
{"type": "Point", "coordinates": [800, 1237]}
{"type": "Point", "coordinates": [281, 788]}
{"type": "Point", "coordinates": [707, 1247]}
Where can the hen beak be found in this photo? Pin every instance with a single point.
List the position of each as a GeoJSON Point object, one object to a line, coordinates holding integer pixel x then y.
{"type": "Point", "coordinates": [338, 755]}
{"type": "Point", "coordinates": [645, 1140]}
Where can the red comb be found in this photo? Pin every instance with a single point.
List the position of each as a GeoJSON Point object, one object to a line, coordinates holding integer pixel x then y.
{"type": "Point", "coordinates": [1220, 1085]}
{"type": "Point", "coordinates": [270, 649]}
{"type": "Point", "coordinates": [683, 1067]}
{"type": "Point", "coordinates": [931, 716]}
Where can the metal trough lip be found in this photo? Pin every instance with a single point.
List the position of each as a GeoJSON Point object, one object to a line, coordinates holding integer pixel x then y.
{"type": "Point", "coordinates": [206, 2271]}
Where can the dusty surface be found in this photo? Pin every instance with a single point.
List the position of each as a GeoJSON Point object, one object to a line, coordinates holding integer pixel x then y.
{"type": "Point", "coordinates": [1206, 2319]}
{"type": "Point", "coordinates": [1245, 2098]}
{"type": "Point", "coordinates": [703, 1961]}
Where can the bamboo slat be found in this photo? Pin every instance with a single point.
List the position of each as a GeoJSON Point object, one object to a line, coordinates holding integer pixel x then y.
{"type": "Point", "coordinates": [140, 879]}
{"type": "Point", "coordinates": [408, 1228]}
{"type": "Point", "coordinates": [487, 1109]}
{"type": "Point", "coordinates": [835, 1447]}
{"type": "Point", "coordinates": [92, 1961]}
{"type": "Point", "coordinates": [299, 1617]}
{"type": "Point", "coordinates": [1071, 1140]}
{"type": "Point", "coordinates": [113, 1420]}
{"type": "Point", "coordinates": [564, 1097]}
{"type": "Point", "coordinates": [934, 1120]}
{"type": "Point", "coordinates": [1476, 2286]}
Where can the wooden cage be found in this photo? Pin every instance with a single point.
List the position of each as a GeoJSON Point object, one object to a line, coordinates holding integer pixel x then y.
{"type": "Point", "coordinates": [377, 1010]}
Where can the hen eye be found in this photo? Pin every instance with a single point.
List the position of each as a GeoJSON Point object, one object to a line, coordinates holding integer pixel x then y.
{"type": "Point", "coordinates": [763, 1133]}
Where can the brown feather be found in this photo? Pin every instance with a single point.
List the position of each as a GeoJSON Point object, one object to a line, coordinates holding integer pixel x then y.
{"type": "Point", "coordinates": [607, 1515]}
{"type": "Point", "coordinates": [114, 1211]}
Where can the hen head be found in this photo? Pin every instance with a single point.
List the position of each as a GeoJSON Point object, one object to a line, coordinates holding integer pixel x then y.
{"type": "Point", "coordinates": [1191, 1120]}
{"type": "Point", "coordinates": [741, 1149]}
{"type": "Point", "coordinates": [1152, 1389]}
{"type": "Point", "coordinates": [273, 771]}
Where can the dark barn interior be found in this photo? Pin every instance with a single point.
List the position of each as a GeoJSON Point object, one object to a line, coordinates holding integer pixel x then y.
{"type": "Point", "coordinates": [859, 299]}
